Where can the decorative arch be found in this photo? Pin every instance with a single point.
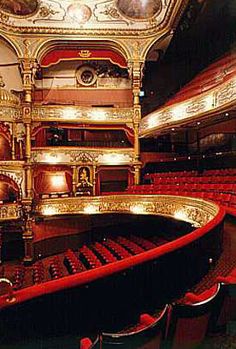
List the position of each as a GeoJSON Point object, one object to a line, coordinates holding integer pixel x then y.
{"type": "Point", "coordinates": [5, 141]}
{"type": "Point", "coordinates": [15, 179]}
{"type": "Point", "coordinates": [9, 189]}
{"type": "Point", "coordinates": [160, 45]}
{"type": "Point", "coordinates": [12, 45]}
{"type": "Point", "coordinates": [113, 46]}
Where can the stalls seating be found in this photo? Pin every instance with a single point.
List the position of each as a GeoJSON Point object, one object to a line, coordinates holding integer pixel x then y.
{"type": "Point", "coordinates": [87, 343]}
{"type": "Point", "coordinates": [147, 334]}
{"type": "Point", "coordinates": [191, 320]}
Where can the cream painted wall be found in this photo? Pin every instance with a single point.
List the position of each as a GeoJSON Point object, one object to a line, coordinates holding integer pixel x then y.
{"type": "Point", "coordinates": [11, 74]}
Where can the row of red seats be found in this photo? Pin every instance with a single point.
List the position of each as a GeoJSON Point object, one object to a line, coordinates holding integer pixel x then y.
{"type": "Point", "coordinates": [90, 257]}
{"type": "Point", "coordinates": [220, 172]}
{"type": "Point", "coordinates": [55, 268]}
{"type": "Point", "coordinates": [130, 245]}
{"type": "Point", "coordinates": [199, 179]}
{"type": "Point", "coordinates": [144, 243]}
{"type": "Point", "coordinates": [73, 264]}
{"type": "Point", "coordinates": [106, 255]}
{"type": "Point", "coordinates": [38, 272]}
{"type": "Point", "coordinates": [171, 174]}
{"type": "Point", "coordinates": [145, 188]}
{"type": "Point", "coordinates": [183, 324]}
{"type": "Point", "coordinates": [117, 248]}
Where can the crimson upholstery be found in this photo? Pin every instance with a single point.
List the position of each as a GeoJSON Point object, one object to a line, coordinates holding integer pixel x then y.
{"type": "Point", "coordinates": [75, 280]}
{"type": "Point", "coordinates": [190, 322]}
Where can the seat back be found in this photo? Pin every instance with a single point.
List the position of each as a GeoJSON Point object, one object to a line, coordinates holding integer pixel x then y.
{"type": "Point", "coordinates": [148, 337]}
{"type": "Point", "coordinates": [189, 323]}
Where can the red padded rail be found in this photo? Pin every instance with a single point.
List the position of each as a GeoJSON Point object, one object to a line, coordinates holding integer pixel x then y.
{"type": "Point", "coordinates": [109, 269]}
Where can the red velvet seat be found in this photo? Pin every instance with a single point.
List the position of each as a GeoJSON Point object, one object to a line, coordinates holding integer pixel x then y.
{"type": "Point", "coordinates": [189, 323]}
{"type": "Point", "coordinates": [147, 334]}
{"type": "Point", "coordinates": [87, 343]}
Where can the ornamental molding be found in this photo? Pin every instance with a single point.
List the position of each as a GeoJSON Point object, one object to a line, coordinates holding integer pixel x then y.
{"type": "Point", "coordinates": [15, 172]}
{"type": "Point", "coordinates": [10, 212]}
{"type": "Point", "coordinates": [72, 156]}
{"type": "Point", "coordinates": [82, 114]}
{"type": "Point", "coordinates": [195, 211]}
{"type": "Point", "coordinates": [100, 18]}
{"type": "Point", "coordinates": [11, 114]}
{"type": "Point", "coordinates": [215, 100]}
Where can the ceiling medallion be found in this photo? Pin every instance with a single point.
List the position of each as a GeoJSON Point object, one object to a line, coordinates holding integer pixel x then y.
{"type": "Point", "coordinates": [86, 76]}
{"type": "Point", "coordinates": [79, 13]}
{"type": "Point", "coordinates": [20, 7]}
{"type": "Point", "coordinates": [139, 9]}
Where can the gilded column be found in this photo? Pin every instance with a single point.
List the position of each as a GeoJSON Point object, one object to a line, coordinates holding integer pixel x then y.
{"type": "Point", "coordinates": [28, 241]}
{"type": "Point", "coordinates": [137, 82]}
{"type": "Point", "coordinates": [74, 179]}
{"type": "Point", "coordinates": [13, 143]}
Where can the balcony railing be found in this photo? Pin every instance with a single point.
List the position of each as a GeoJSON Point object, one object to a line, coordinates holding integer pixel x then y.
{"type": "Point", "coordinates": [70, 155]}
{"type": "Point", "coordinates": [82, 114]}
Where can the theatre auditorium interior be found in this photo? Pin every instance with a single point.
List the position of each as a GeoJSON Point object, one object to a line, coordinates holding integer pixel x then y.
{"type": "Point", "coordinates": [117, 174]}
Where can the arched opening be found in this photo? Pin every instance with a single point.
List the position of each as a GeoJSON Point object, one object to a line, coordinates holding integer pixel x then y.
{"type": "Point", "coordinates": [9, 190]}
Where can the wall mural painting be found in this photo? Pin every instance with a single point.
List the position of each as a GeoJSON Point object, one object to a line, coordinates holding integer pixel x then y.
{"type": "Point", "coordinates": [19, 7]}
{"type": "Point", "coordinates": [139, 9]}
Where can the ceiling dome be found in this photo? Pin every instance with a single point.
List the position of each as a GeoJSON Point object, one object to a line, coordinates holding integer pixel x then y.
{"type": "Point", "coordinates": [139, 9]}
{"type": "Point", "coordinates": [7, 98]}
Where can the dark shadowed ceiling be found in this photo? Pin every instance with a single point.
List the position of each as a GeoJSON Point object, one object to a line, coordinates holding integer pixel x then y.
{"type": "Point", "coordinates": [206, 31]}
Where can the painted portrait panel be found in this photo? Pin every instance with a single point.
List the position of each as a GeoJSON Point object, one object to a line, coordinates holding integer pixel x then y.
{"type": "Point", "coordinates": [19, 7]}
{"type": "Point", "coordinates": [85, 180]}
{"type": "Point", "coordinates": [139, 9]}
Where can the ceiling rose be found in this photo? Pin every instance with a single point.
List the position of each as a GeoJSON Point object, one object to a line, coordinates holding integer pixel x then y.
{"type": "Point", "coordinates": [19, 8]}
{"type": "Point", "coordinates": [139, 9]}
{"type": "Point", "coordinates": [80, 13]}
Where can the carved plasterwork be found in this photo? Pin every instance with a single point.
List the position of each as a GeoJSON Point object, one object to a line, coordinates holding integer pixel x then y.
{"type": "Point", "coordinates": [84, 155]}
{"type": "Point", "coordinates": [215, 100]}
{"type": "Point", "coordinates": [195, 211]}
{"type": "Point", "coordinates": [10, 114]}
{"type": "Point", "coordinates": [95, 17]}
{"type": "Point", "coordinates": [9, 212]}
{"type": "Point", "coordinates": [82, 114]}
{"type": "Point", "coordinates": [14, 171]}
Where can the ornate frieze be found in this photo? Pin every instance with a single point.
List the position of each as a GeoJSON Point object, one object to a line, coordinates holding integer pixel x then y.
{"type": "Point", "coordinates": [195, 211]}
{"type": "Point", "coordinates": [10, 114]}
{"type": "Point", "coordinates": [69, 155]}
{"type": "Point", "coordinates": [10, 211]}
{"type": "Point", "coordinates": [180, 113]}
{"type": "Point", "coordinates": [82, 114]}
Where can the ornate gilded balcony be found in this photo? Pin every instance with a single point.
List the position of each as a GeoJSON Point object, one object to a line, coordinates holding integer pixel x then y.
{"type": "Point", "coordinates": [195, 211]}
{"type": "Point", "coordinates": [75, 155]}
{"type": "Point", "coordinates": [82, 114]}
{"type": "Point", "coordinates": [10, 212]}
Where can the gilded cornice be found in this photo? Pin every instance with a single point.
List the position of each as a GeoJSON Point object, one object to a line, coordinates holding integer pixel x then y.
{"type": "Point", "coordinates": [108, 24]}
{"type": "Point", "coordinates": [76, 155]}
{"type": "Point", "coordinates": [82, 114]}
{"type": "Point", "coordinates": [195, 211]}
{"type": "Point", "coordinates": [10, 114]}
{"type": "Point", "coordinates": [216, 100]}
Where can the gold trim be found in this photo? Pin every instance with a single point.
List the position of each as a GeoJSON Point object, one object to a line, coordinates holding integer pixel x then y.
{"type": "Point", "coordinates": [221, 98]}
{"type": "Point", "coordinates": [10, 211]}
{"type": "Point", "coordinates": [195, 211]}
